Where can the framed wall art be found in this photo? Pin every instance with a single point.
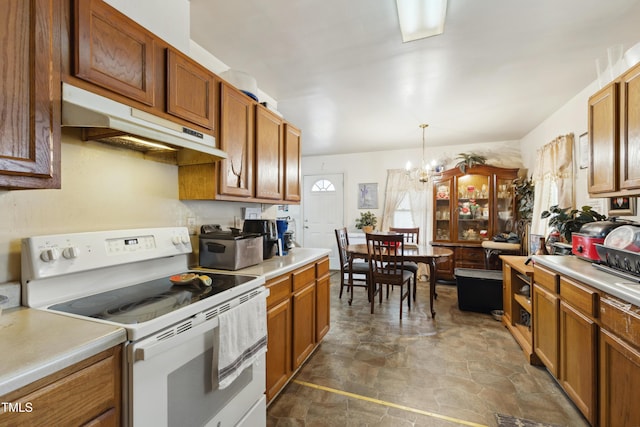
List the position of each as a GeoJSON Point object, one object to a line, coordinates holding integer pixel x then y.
{"type": "Point", "coordinates": [622, 206]}
{"type": "Point", "coordinates": [368, 196]}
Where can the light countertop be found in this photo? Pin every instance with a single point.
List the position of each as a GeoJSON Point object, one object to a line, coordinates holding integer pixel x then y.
{"type": "Point", "coordinates": [584, 272]}
{"type": "Point", "coordinates": [278, 265]}
{"type": "Point", "coordinates": [37, 343]}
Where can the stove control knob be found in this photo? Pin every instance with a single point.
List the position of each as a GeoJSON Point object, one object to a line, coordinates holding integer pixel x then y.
{"type": "Point", "coordinates": [176, 240]}
{"type": "Point", "coordinates": [70, 252]}
{"type": "Point", "coordinates": [185, 239]}
{"type": "Point", "coordinates": [49, 255]}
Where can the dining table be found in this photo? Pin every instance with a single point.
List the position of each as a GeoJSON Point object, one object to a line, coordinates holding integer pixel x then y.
{"type": "Point", "coordinates": [426, 254]}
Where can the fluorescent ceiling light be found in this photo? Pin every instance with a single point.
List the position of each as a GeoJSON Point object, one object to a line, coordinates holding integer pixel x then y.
{"type": "Point", "coordinates": [421, 18]}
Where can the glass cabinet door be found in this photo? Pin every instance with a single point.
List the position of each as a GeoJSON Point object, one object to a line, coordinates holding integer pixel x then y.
{"type": "Point", "coordinates": [473, 210]}
{"type": "Point", "coordinates": [442, 214]}
{"type": "Point", "coordinates": [504, 205]}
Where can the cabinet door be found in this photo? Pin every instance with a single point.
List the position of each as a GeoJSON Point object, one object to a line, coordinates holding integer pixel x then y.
{"type": "Point", "coordinates": [630, 129]}
{"type": "Point", "coordinates": [578, 355]}
{"type": "Point", "coordinates": [304, 325]}
{"type": "Point", "coordinates": [545, 327]}
{"type": "Point", "coordinates": [278, 347]}
{"type": "Point", "coordinates": [603, 140]}
{"type": "Point", "coordinates": [474, 208]}
{"type": "Point", "coordinates": [237, 140]}
{"type": "Point", "coordinates": [30, 101]}
{"type": "Point", "coordinates": [190, 90]}
{"type": "Point", "coordinates": [507, 274]}
{"type": "Point", "coordinates": [113, 51]}
{"type": "Point", "coordinates": [269, 154]}
{"type": "Point", "coordinates": [292, 173]}
{"type": "Point", "coordinates": [442, 210]}
{"type": "Point", "coordinates": [619, 373]}
{"type": "Point", "coordinates": [323, 306]}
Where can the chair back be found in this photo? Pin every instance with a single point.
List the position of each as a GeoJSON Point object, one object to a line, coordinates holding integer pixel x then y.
{"type": "Point", "coordinates": [343, 241]}
{"type": "Point", "coordinates": [386, 257]}
{"type": "Point", "coordinates": [411, 235]}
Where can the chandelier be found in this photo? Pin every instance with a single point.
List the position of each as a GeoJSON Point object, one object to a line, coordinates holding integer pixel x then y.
{"type": "Point", "coordinates": [426, 172]}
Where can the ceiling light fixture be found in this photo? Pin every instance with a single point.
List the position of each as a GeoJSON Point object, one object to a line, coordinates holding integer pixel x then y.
{"type": "Point", "coordinates": [426, 172]}
{"type": "Point", "coordinates": [421, 18]}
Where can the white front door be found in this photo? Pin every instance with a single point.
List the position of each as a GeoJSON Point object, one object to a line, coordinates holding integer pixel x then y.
{"type": "Point", "coordinates": [323, 212]}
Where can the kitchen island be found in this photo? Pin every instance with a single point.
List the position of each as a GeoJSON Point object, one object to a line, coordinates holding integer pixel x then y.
{"type": "Point", "coordinates": [586, 330]}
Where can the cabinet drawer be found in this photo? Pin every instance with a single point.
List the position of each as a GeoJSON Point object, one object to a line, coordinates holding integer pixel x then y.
{"type": "Point", "coordinates": [621, 318]}
{"type": "Point", "coordinates": [304, 276]}
{"type": "Point", "coordinates": [279, 289]}
{"type": "Point", "coordinates": [545, 278]}
{"type": "Point", "coordinates": [579, 296]}
{"type": "Point", "coordinates": [322, 267]}
{"type": "Point", "coordinates": [470, 254]}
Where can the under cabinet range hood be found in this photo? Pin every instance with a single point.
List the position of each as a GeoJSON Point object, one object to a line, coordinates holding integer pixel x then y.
{"type": "Point", "coordinates": [108, 121]}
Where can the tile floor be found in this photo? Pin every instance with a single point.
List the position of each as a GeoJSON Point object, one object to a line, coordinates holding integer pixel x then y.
{"type": "Point", "coordinates": [459, 370]}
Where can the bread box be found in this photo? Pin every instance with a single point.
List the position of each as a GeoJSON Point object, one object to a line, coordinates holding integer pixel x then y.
{"type": "Point", "coordinates": [229, 250]}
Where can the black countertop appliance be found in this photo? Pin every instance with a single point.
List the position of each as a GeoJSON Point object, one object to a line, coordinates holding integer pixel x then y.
{"type": "Point", "coordinates": [267, 229]}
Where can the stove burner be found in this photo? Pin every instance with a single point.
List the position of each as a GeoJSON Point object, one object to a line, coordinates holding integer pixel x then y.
{"type": "Point", "coordinates": [149, 300]}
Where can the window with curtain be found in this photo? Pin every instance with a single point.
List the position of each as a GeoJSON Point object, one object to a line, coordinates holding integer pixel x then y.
{"type": "Point", "coordinates": [404, 202]}
{"type": "Point", "coordinates": [553, 180]}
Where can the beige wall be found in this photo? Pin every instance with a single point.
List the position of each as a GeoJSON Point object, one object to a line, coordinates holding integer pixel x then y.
{"type": "Point", "coordinates": [103, 187]}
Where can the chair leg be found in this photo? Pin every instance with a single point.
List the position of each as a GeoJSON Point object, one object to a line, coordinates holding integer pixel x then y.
{"type": "Point", "coordinates": [415, 285]}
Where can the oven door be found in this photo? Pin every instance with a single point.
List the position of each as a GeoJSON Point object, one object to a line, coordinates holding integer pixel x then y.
{"type": "Point", "coordinates": [170, 382]}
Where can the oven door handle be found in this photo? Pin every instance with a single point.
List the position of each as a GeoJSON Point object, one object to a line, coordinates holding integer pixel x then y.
{"type": "Point", "coordinates": [153, 346]}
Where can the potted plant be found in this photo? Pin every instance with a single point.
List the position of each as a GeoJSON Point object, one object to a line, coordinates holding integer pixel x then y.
{"type": "Point", "coordinates": [524, 190]}
{"type": "Point", "coordinates": [366, 222]}
{"type": "Point", "coordinates": [567, 220]}
{"type": "Point", "coordinates": [468, 160]}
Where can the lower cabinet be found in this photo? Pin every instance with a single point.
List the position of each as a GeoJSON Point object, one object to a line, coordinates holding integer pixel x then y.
{"type": "Point", "coordinates": [619, 363]}
{"type": "Point", "coordinates": [298, 309]}
{"type": "Point", "coordinates": [578, 337]}
{"type": "Point", "coordinates": [87, 393]}
{"type": "Point", "coordinates": [589, 341]}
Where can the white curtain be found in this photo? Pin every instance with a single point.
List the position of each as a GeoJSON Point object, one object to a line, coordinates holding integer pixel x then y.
{"type": "Point", "coordinates": [553, 180]}
{"type": "Point", "coordinates": [399, 185]}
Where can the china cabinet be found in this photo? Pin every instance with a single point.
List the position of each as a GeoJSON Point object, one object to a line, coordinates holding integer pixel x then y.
{"type": "Point", "coordinates": [469, 208]}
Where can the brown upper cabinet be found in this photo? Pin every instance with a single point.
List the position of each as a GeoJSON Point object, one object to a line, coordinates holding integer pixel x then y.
{"type": "Point", "coordinates": [614, 141]}
{"type": "Point", "coordinates": [269, 154]}
{"type": "Point", "coordinates": [108, 53]}
{"type": "Point", "coordinates": [114, 52]}
{"type": "Point", "coordinates": [237, 140]}
{"type": "Point", "coordinates": [191, 90]}
{"type": "Point", "coordinates": [30, 87]}
{"type": "Point", "coordinates": [292, 171]}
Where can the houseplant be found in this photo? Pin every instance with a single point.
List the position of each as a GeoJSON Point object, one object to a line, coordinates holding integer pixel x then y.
{"type": "Point", "coordinates": [366, 222]}
{"type": "Point", "coordinates": [567, 220]}
{"type": "Point", "coordinates": [468, 160]}
{"type": "Point", "coordinates": [524, 190]}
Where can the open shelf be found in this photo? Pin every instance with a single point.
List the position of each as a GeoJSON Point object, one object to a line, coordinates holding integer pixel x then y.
{"type": "Point", "coordinates": [524, 301]}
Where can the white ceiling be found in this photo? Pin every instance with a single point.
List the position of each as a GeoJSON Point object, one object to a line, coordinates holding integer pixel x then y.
{"type": "Point", "coordinates": [340, 72]}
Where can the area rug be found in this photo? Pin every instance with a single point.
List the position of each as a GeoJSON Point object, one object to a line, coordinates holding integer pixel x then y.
{"type": "Point", "coordinates": [509, 421]}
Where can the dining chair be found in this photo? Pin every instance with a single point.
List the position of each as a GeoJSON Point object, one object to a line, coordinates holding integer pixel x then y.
{"type": "Point", "coordinates": [350, 268]}
{"type": "Point", "coordinates": [386, 258]}
{"type": "Point", "coordinates": [411, 235]}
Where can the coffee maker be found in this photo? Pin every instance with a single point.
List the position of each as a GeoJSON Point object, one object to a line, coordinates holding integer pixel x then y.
{"type": "Point", "coordinates": [282, 225]}
{"type": "Point", "coordinates": [267, 229]}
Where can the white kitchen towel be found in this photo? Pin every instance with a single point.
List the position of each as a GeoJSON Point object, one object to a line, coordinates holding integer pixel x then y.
{"type": "Point", "coordinates": [243, 338]}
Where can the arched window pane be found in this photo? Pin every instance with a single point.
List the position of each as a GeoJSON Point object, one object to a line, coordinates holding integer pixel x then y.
{"type": "Point", "coordinates": [323, 185]}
